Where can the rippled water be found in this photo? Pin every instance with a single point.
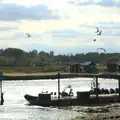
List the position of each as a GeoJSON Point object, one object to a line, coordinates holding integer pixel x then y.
{"type": "Point", "coordinates": [15, 106]}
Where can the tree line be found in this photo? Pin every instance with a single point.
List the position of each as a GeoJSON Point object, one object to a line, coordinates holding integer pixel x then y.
{"type": "Point", "coordinates": [14, 57]}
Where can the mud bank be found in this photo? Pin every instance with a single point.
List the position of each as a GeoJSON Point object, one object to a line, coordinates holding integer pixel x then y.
{"type": "Point", "coordinates": [35, 77]}
{"type": "Point", "coordinates": [108, 112]}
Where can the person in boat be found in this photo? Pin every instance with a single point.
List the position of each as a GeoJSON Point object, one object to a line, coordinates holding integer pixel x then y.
{"type": "Point", "coordinates": [93, 86]}
{"type": "Point", "coordinates": [67, 91]}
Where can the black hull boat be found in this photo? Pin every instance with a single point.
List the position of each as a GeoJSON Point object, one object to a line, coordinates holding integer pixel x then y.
{"type": "Point", "coordinates": [65, 101]}
{"type": "Point", "coordinates": [67, 98]}
{"type": "Point", "coordinates": [81, 99]}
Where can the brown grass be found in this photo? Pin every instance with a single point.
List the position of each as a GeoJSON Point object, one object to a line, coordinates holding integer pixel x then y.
{"type": "Point", "coordinates": [46, 73]}
{"type": "Point", "coordinates": [29, 74]}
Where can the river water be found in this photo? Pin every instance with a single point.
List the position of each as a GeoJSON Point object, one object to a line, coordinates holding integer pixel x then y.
{"type": "Point", "coordinates": [15, 106]}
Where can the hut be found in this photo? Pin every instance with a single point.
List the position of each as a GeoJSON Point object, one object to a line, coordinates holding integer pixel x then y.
{"type": "Point", "coordinates": [118, 67]}
{"type": "Point", "coordinates": [75, 68]}
{"type": "Point", "coordinates": [90, 67]}
{"type": "Point", "coordinates": [113, 67]}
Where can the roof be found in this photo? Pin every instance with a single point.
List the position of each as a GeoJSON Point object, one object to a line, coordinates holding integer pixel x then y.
{"type": "Point", "coordinates": [84, 64]}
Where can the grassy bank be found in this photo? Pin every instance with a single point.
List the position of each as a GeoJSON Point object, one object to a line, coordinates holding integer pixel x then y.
{"type": "Point", "coordinates": [20, 73]}
{"type": "Point", "coordinates": [38, 70]}
{"type": "Point", "coordinates": [54, 75]}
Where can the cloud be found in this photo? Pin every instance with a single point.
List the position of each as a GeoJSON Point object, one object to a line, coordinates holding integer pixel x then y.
{"type": "Point", "coordinates": [19, 36]}
{"type": "Point", "coordinates": [7, 28]}
{"type": "Point", "coordinates": [105, 3]}
{"type": "Point", "coordinates": [72, 29]}
{"type": "Point", "coordinates": [65, 33]}
{"type": "Point", "coordinates": [14, 12]}
{"type": "Point", "coordinates": [103, 25]}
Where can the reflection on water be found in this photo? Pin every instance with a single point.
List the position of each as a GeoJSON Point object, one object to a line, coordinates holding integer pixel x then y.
{"type": "Point", "coordinates": [15, 107]}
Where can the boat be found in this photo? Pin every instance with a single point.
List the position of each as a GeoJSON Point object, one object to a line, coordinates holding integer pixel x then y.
{"type": "Point", "coordinates": [67, 98]}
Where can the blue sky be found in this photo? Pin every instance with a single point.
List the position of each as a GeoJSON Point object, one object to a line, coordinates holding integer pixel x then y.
{"type": "Point", "coordinates": [64, 26]}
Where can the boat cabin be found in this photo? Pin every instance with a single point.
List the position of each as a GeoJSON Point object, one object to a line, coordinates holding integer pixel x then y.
{"type": "Point", "coordinates": [44, 96]}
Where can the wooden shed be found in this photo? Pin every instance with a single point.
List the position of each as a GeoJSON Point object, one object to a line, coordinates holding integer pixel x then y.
{"type": "Point", "coordinates": [112, 67]}
{"type": "Point", "coordinates": [89, 67]}
{"type": "Point", "coordinates": [75, 68]}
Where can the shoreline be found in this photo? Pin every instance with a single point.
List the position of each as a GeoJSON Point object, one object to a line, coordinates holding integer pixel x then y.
{"type": "Point", "coordinates": [55, 76]}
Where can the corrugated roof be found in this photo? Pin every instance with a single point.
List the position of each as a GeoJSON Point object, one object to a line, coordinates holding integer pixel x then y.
{"type": "Point", "coordinates": [86, 63]}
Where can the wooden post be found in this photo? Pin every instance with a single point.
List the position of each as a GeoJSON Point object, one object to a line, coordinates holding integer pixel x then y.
{"type": "Point", "coordinates": [58, 90]}
{"type": "Point", "coordinates": [1, 78]}
{"type": "Point", "coordinates": [119, 85]}
{"type": "Point", "coordinates": [96, 88]}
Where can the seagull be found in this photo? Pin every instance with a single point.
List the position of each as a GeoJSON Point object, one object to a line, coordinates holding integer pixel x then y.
{"type": "Point", "coordinates": [99, 32]}
{"type": "Point", "coordinates": [94, 40]}
{"type": "Point", "coordinates": [101, 49]}
{"type": "Point", "coordinates": [28, 35]}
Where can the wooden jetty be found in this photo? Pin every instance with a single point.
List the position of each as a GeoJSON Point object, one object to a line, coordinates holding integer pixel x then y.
{"type": "Point", "coordinates": [82, 98]}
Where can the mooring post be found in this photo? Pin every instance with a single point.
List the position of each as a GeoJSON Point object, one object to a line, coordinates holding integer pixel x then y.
{"type": "Point", "coordinates": [119, 85]}
{"type": "Point", "coordinates": [1, 78]}
{"type": "Point", "coordinates": [97, 88]}
{"type": "Point", "coordinates": [58, 90]}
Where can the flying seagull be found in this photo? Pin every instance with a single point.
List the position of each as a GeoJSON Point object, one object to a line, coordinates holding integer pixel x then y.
{"type": "Point", "coordinates": [28, 35]}
{"type": "Point", "coordinates": [97, 30]}
{"type": "Point", "coordinates": [101, 49]}
{"type": "Point", "coordinates": [100, 32]}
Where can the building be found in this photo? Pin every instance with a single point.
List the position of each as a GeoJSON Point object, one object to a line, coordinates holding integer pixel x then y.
{"type": "Point", "coordinates": [112, 67]}
{"type": "Point", "coordinates": [75, 68]}
{"type": "Point", "coordinates": [87, 67]}
{"type": "Point", "coordinates": [51, 53]}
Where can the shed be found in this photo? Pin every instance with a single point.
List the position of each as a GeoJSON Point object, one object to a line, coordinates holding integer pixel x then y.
{"type": "Point", "coordinates": [113, 67]}
{"type": "Point", "coordinates": [75, 68]}
{"type": "Point", "coordinates": [90, 67]}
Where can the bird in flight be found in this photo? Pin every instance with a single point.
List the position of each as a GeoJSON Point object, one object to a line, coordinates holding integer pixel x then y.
{"type": "Point", "coordinates": [100, 32]}
{"type": "Point", "coordinates": [101, 49]}
{"type": "Point", "coordinates": [28, 35]}
{"type": "Point", "coordinates": [97, 30]}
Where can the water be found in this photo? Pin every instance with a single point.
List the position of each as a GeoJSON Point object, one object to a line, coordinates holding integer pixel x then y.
{"type": "Point", "coordinates": [15, 106]}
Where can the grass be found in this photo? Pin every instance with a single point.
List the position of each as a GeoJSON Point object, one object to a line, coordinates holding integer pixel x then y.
{"type": "Point", "coordinates": [25, 71]}
{"type": "Point", "coordinates": [26, 74]}
{"type": "Point", "coordinates": [45, 73]}
{"type": "Point", "coordinates": [37, 73]}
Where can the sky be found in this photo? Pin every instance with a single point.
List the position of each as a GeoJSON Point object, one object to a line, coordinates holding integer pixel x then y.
{"type": "Point", "coordinates": [63, 26]}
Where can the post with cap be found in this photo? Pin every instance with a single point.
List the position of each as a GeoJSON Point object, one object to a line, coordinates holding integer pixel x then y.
{"type": "Point", "coordinates": [97, 87]}
{"type": "Point", "coordinates": [2, 98]}
{"type": "Point", "coordinates": [58, 90]}
{"type": "Point", "coordinates": [119, 86]}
